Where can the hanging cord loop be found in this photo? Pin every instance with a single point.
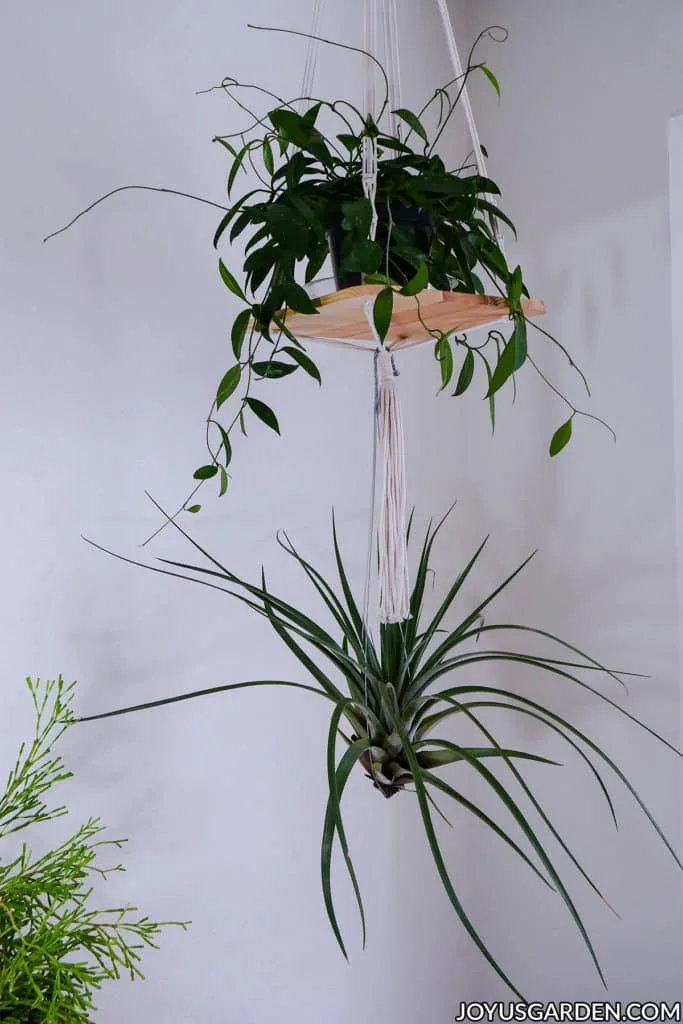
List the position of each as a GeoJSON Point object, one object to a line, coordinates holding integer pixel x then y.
{"type": "Point", "coordinates": [369, 179]}
{"type": "Point", "coordinates": [369, 144]}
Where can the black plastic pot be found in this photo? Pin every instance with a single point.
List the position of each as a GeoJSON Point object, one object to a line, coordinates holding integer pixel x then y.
{"type": "Point", "coordinates": [419, 223]}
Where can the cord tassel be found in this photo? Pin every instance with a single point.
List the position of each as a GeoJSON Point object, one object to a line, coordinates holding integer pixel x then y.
{"type": "Point", "coordinates": [394, 588]}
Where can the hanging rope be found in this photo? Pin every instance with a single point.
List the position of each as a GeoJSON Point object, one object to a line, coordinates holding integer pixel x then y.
{"type": "Point", "coordinates": [392, 59]}
{"type": "Point", "coordinates": [393, 586]}
{"type": "Point", "coordinates": [467, 106]}
{"type": "Point", "coordinates": [369, 145]}
{"type": "Point", "coordinates": [390, 473]}
{"type": "Point", "coordinates": [394, 589]}
{"type": "Point", "coordinates": [311, 61]}
{"type": "Point", "coordinates": [369, 179]}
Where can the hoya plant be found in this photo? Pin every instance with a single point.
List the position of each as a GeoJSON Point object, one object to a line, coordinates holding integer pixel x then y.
{"type": "Point", "coordinates": [402, 701]}
{"type": "Point", "coordinates": [437, 226]}
{"type": "Point", "coordinates": [57, 947]}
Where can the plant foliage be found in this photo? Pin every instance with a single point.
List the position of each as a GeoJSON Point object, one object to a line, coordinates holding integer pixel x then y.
{"type": "Point", "coordinates": [56, 949]}
{"type": "Point", "coordinates": [301, 161]}
{"type": "Point", "coordinates": [305, 161]}
{"type": "Point", "coordinates": [400, 702]}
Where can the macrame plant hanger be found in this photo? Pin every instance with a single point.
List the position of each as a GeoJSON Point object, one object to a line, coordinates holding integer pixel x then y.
{"type": "Point", "coordinates": [389, 464]}
{"type": "Point", "coordinates": [347, 316]}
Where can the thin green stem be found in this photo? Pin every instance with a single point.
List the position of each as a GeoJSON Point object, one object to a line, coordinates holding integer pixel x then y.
{"type": "Point", "coordinates": [125, 188]}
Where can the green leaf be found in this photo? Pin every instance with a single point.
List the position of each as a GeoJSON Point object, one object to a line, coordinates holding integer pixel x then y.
{"type": "Point", "coordinates": [561, 437]}
{"type": "Point", "coordinates": [495, 213]}
{"type": "Point", "coordinates": [449, 754]}
{"type": "Point", "coordinates": [440, 784]}
{"type": "Point", "coordinates": [357, 216]}
{"type": "Point", "coordinates": [272, 368]}
{"type": "Point", "coordinates": [387, 142]}
{"type": "Point", "coordinates": [491, 397]}
{"type": "Point", "coordinates": [224, 221]}
{"type": "Point", "coordinates": [315, 262]}
{"type": "Point", "coordinates": [423, 804]}
{"type": "Point", "coordinates": [519, 343]}
{"type": "Point", "coordinates": [304, 361]}
{"type": "Point", "coordinates": [281, 324]}
{"type": "Point", "coordinates": [505, 367]}
{"type": "Point", "coordinates": [268, 161]}
{"type": "Point", "coordinates": [294, 128]}
{"type": "Point", "coordinates": [379, 279]}
{"type": "Point", "coordinates": [288, 228]}
{"type": "Point", "coordinates": [298, 299]}
{"type": "Point", "coordinates": [337, 777]}
{"type": "Point", "coordinates": [417, 283]}
{"type": "Point", "coordinates": [237, 163]}
{"type": "Point", "coordinates": [492, 79]}
{"type": "Point", "coordinates": [227, 447]}
{"type": "Point", "coordinates": [226, 145]}
{"type": "Point", "coordinates": [239, 330]}
{"type": "Point", "coordinates": [228, 384]}
{"type": "Point", "coordinates": [205, 472]}
{"type": "Point", "coordinates": [350, 142]}
{"type": "Point", "coordinates": [364, 257]}
{"type": "Point", "coordinates": [193, 508]}
{"type": "Point", "coordinates": [526, 828]}
{"type": "Point", "coordinates": [444, 353]}
{"type": "Point", "coordinates": [515, 287]}
{"type": "Point", "coordinates": [264, 413]}
{"type": "Point", "coordinates": [413, 120]}
{"type": "Point", "coordinates": [224, 481]}
{"type": "Point", "coordinates": [230, 282]}
{"type": "Point", "coordinates": [310, 116]}
{"type": "Point", "coordinates": [382, 309]}
{"type": "Point", "coordinates": [466, 374]}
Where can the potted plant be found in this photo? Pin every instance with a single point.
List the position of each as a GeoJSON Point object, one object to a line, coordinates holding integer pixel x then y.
{"type": "Point", "coordinates": [398, 702]}
{"type": "Point", "coordinates": [56, 947]}
{"type": "Point", "coordinates": [437, 227]}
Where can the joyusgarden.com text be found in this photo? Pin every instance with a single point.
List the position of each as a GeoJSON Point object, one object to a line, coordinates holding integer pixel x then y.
{"type": "Point", "coordinates": [577, 1011]}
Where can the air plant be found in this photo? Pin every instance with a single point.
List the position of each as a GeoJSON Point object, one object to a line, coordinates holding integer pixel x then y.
{"type": "Point", "coordinates": [397, 702]}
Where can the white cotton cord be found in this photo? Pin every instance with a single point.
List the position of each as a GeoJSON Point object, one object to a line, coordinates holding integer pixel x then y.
{"type": "Point", "coordinates": [394, 597]}
{"type": "Point", "coordinates": [370, 46]}
{"type": "Point", "coordinates": [369, 179]}
{"type": "Point", "coordinates": [311, 61]}
{"type": "Point", "coordinates": [393, 64]}
{"type": "Point", "coordinates": [368, 145]}
{"type": "Point", "coordinates": [389, 467]}
{"type": "Point", "coordinates": [467, 106]}
{"type": "Point", "coordinates": [371, 538]}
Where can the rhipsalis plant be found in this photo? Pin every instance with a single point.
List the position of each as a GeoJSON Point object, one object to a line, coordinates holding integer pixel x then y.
{"type": "Point", "coordinates": [56, 948]}
{"type": "Point", "coordinates": [437, 226]}
{"type": "Point", "coordinates": [401, 702]}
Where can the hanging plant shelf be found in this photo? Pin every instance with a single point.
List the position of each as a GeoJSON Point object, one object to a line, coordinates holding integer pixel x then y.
{"type": "Point", "coordinates": [342, 316]}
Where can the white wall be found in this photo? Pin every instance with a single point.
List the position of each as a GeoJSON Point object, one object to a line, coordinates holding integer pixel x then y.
{"type": "Point", "coordinates": [114, 336]}
{"type": "Point", "coordinates": [676, 232]}
{"type": "Point", "coordinates": [579, 146]}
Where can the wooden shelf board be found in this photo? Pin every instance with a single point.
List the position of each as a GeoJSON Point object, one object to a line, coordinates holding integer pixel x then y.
{"type": "Point", "coordinates": [342, 316]}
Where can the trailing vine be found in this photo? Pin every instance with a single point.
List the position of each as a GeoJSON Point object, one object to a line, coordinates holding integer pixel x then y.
{"type": "Point", "coordinates": [437, 227]}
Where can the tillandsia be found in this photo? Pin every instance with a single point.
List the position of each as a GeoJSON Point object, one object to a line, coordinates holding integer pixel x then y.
{"type": "Point", "coordinates": [437, 226]}
{"type": "Point", "coordinates": [56, 948]}
{"type": "Point", "coordinates": [401, 701]}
